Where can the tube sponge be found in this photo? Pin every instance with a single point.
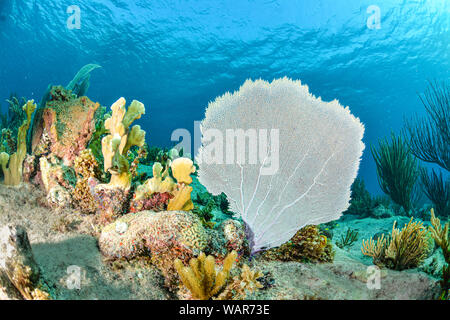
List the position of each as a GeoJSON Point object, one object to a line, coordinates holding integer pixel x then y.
{"type": "Point", "coordinates": [121, 138]}
{"type": "Point", "coordinates": [13, 173]}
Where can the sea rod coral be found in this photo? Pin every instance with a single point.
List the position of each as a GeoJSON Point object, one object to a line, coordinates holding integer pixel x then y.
{"type": "Point", "coordinates": [301, 160]}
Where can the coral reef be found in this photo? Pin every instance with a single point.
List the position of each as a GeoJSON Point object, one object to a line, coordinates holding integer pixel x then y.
{"type": "Point", "coordinates": [19, 273]}
{"type": "Point", "coordinates": [402, 249]}
{"type": "Point", "coordinates": [113, 197]}
{"type": "Point", "coordinates": [162, 192]}
{"type": "Point", "coordinates": [302, 177]}
{"type": "Point", "coordinates": [307, 245]}
{"type": "Point", "coordinates": [12, 165]}
{"type": "Point", "coordinates": [234, 234]}
{"type": "Point", "coordinates": [165, 235]}
{"type": "Point", "coordinates": [67, 125]}
{"type": "Point", "coordinates": [240, 286]}
{"type": "Point", "coordinates": [110, 202]}
{"type": "Point", "coordinates": [86, 167]}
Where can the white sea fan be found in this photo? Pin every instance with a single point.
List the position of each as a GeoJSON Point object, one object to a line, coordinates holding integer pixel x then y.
{"type": "Point", "coordinates": [279, 185]}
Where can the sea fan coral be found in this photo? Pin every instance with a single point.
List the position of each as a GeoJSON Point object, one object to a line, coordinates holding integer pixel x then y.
{"type": "Point", "coordinates": [302, 157]}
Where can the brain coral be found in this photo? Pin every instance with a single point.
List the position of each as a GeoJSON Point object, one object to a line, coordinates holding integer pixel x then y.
{"type": "Point", "coordinates": [166, 235]}
{"type": "Point", "coordinates": [302, 157]}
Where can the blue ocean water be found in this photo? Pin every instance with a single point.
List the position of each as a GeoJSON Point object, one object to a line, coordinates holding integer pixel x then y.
{"type": "Point", "coordinates": [176, 56]}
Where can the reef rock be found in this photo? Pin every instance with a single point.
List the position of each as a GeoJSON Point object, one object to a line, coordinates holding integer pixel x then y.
{"type": "Point", "coordinates": [110, 200]}
{"type": "Point", "coordinates": [234, 234]}
{"type": "Point", "coordinates": [165, 235]}
{"type": "Point", "coordinates": [67, 125]}
{"type": "Point", "coordinates": [345, 278]}
{"type": "Point", "coordinates": [19, 271]}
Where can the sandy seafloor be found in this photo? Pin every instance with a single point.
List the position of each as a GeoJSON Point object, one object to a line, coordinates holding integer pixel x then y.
{"type": "Point", "coordinates": [68, 238]}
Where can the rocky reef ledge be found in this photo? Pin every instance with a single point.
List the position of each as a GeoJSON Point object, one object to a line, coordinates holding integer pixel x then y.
{"type": "Point", "coordinates": [54, 246]}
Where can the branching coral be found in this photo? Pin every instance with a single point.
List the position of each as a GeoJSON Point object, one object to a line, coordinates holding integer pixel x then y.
{"type": "Point", "coordinates": [403, 249]}
{"type": "Point", "coordinates": [120, 139]}
{"type": "Point", "coordinates": [308, 244]}
{"type": "Point", "coordinates": [13, 173]}
{"type": "Point", "coordinates": [397, 170]}
{"type": "Point", "coordinates": [440, 236]}
{"type": "Point", "coordinates": [202, 278]}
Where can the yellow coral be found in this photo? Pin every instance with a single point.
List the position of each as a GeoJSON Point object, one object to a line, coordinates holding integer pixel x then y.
{"type": "Point", "coordinates": [121, 138]}
{"type": "Point", "coordinates": [202, 278]}
{"type": "Point", "coordinates": [242, 285]}
{"type": "Point", "coordinates": [182, 169]}
{"type": "Point", "coordinates": [13, 173]}
{"type": "Point", "coordinates": [161, 182]}
{"type": "Point", "coordinates": [181, 199]}
{"type": "Point", "coordinates": [406, 248]}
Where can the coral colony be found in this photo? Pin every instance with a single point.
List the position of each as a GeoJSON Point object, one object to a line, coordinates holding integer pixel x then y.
{"type": "Point", "coordinates": [277, 167]}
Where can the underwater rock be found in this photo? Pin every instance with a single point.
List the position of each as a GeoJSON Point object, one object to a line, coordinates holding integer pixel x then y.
{"type": "Point", "coordinates": [67, 126]}
{"type": "Point", "coordinates": [111, 201]}
{"type": "Point", "coordinates": [59, 198]}
{"type": "Point", "coordinates": [344, 279]}
{"type": "Point", "coordinates": [234, 234]}
{"type": "Point", "coordinates": [54, 180]}
{"type": "Point", "coordinates": [19, 272]}
{"type": "Point", "coordinates": [29, 167]}
{"type": "Point", "coordinates": [154, 202]}
{"type": "Point", "coordinates": [165, 235]}
{"type": "Point", "coordinates": [85, 166]}
{"type": "Point", "coordinates": [381, 212]}
{"type": "Point", "coordinates": [307, 245]}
